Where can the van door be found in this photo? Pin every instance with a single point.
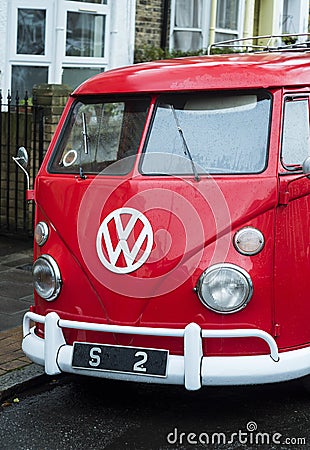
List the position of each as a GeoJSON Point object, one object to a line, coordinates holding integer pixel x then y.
{"type": "Point", "coordinates": [292, 255]}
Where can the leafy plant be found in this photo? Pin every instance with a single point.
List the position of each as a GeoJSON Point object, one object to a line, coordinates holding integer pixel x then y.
{"type": "Point", "coordinates": [150, 53]}
{"type": "Point", "coordinates": [289, 40]}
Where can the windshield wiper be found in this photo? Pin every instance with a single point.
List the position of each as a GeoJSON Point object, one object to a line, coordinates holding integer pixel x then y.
{"type": "Point", "coordinates": [85, 144]}
{"type": "Point", "coordinates": [84, 133]}
{"type": "Point", "coordinates": [186, 149]}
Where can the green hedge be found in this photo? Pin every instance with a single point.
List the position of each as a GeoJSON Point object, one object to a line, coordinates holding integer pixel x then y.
{"type": "Point", "coordinates": [151, 53]}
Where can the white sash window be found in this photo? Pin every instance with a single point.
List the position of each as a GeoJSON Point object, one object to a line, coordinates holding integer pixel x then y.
{"type": "Point", "coordinates": [190, 22]}
{"type": "Point", "coordinates": [187, 25]}
{"type": "Point", "coordinates": [56, 41]}
{"type": "Point", "coordinates": [229, 19]}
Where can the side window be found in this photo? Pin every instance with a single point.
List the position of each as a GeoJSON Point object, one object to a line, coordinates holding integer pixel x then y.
{"type": "Point", "coordinates": [295, 135]}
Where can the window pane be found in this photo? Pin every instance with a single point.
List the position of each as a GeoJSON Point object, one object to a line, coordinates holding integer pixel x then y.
{"type": "Point", "coordinates": [99, 134]}
{"type": "Point", "coordinates": [227, 14]}
{"type": "Point", "coordinates": [219, 37]}
{"type": "Point", "coordinates": [187, 40]}
{"type": "Point", "coordinates": [99, 2]}
{"type": "Point", "coordinates": [25, 77]}
{"type": "Point", "coordinates": [295, 141]}
{"type": "Point", "coordinates": [221, 132]}
{"type": "Point", "coordinates": [73, 77]}
{"type": "Point", "coordinates": [188, 13]}
{"type": "Point", "coordinates": [85, 35]}
{"type": "Point", "coordinates": [288, 19]}
{"type": "Point", "coordinates": [31, 31]}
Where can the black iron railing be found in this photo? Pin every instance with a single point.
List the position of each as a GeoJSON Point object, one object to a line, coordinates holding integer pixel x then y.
{"type": "Point", "coordinates": [21, 124]}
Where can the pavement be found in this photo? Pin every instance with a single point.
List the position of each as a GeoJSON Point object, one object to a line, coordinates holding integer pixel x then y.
{"type": "Point", "coordinates": [17, 372]}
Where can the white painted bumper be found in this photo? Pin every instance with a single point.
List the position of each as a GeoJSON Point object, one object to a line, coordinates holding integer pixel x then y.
{"type": "Point", "coordinates": [192, 370]}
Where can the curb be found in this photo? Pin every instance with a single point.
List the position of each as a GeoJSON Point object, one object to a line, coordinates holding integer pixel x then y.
{"type": "Point", "coordinates": [19, 380]}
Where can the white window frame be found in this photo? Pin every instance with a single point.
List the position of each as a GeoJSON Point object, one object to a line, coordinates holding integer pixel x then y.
{"type": "Point", "coordinates": [204, 30]}
{"type": "Point", "coordinates": [239, 31]}
{"type": "Point", "coordinates": [86, 8]}
{"type": "Point", "coordinates": [61, 60]}
{"type": "Point", "coordinates": [31, 4]}
{"type": "Point", "coordinates": [296, 18]}
{"type": "Point", "coordinates": [54, 58]}
{"type": "Point", "coordinates": [27, 64]}
{"type": "Point", "coordinates": [28, 60]}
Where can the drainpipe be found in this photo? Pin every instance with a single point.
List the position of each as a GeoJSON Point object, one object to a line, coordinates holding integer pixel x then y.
{"type": "Point", "coordinates": [60, 39]}
{"type": "Point", "coordinates": [249, 19]}
{"type": "Point", "coordinates": [212, 22]}
{"type": "Point", "coordinates": [164, 25]}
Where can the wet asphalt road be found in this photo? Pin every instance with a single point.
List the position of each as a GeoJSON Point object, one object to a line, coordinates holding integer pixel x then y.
{"type": "Point", "coordinates": [83, 413]}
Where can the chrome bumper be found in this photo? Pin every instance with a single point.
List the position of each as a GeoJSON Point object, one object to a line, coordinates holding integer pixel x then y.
{"type": "Point", "coordinates": [193, 370]}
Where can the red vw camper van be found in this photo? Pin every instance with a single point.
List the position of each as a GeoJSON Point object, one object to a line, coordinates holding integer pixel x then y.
{"type": "Point", "coordinates": [172, 234]}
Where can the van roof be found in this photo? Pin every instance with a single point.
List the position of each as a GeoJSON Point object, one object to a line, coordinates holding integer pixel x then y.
{"type": "Point", "coordinates": [233, 71]}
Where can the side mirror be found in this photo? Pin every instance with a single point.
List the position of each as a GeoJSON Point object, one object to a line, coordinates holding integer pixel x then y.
{"type": "Point", "coordinates": [22, 161]}
{"type": "Point", "coordinates": [306, 166]}
{"type": "Point", "coordinates": [22, 157]}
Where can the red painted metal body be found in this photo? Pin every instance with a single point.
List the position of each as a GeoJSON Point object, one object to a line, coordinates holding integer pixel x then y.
{"type": "Point", "coordinates": [279, 273]}
{"type": "Point", "coordinates": [197, 74]}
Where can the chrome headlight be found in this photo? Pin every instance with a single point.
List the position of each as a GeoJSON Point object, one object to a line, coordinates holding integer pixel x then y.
{"type": "Point", "coordinates": [41, 233]}
{"type": "Point", "coordinates": [46, 277]}
{"type": "Point", "coordinates": [225, 288]}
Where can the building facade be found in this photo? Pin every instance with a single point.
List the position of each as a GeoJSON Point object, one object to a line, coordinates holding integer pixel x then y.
{"type": "Point", "coordinates": [195, 24]}
{"type": "Point", "coordinates": [63, 41]}
{"type": "Point", "coordinates": [67, 41]}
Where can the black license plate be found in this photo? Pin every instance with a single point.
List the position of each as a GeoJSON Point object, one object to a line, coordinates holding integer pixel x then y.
{"type": "Point", "coordinates": [139, 361]}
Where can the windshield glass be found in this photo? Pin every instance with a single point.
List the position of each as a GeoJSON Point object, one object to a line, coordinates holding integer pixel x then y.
{"type": "Point", "coordinates": [208, 133]}
{"type": "Point", "coordinates": [100, 133]}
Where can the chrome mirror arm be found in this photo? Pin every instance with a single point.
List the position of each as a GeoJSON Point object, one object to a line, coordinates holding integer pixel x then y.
{"type": "Point", "coordinates": [16, 160]}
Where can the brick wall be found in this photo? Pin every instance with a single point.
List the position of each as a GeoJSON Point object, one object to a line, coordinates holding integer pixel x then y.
{"type": "Point", "coordinates": [149, 17]}
{"type": "Point", "coordinates": [52, 98]}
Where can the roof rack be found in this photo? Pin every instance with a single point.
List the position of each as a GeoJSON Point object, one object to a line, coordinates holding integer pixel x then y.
{"type": "Point", "coordinates": [293, 46]}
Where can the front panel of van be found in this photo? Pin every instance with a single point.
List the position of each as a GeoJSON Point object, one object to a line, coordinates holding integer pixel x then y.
{"type": "Point", "coordinates": [142, 196]}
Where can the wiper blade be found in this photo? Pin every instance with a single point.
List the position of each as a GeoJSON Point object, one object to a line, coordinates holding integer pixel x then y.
{"type": "Point", "coordinates": [186, 149]}
{"type": "Point", "coordinates": [84, 133]}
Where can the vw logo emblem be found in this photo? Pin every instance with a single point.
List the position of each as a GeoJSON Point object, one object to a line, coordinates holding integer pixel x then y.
{"type": "Point", "coordinates": [125, 220]}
